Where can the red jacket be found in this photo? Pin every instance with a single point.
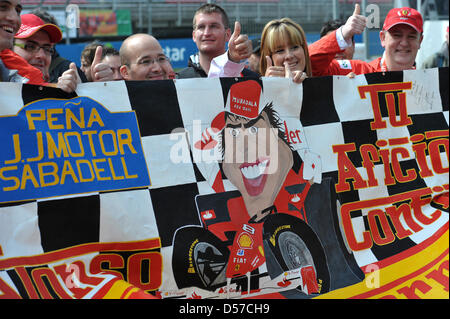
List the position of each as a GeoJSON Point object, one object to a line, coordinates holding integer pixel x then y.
{"type": "Point", "coordinates": [322, 53]}
{"type": "Point", "coordinates": [26, 72]}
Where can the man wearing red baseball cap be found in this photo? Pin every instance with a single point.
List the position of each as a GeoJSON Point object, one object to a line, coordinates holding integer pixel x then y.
{"type": "Point", "coordinates": [401, 37]}
{"type": "Point", "coordinates": [35, 40]}
{"type": "Point", "coordinates": [33, 49]}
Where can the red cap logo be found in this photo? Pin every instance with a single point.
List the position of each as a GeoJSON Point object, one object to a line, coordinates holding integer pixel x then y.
{"type": "Point", "coordinates": [244, 99]}
{"type": "Point", "coordinates": [404, 12]}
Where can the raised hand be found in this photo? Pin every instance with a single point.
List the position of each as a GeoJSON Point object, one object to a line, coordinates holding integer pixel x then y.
{"type": "Point", "coordinates": [69, 80]}
{"type": "Point", "coordinates": [100, 71]}
{"type": "Point", "coordinates": [296, 76]}
{"type": "Point", "coordinates": [271, 70]}
{"type": "Point", "coordinates": [239, 46]}
{"type": "Point", "coordinates": [355, 24]}
{"type": "Point", "coordinates": [284, 71]}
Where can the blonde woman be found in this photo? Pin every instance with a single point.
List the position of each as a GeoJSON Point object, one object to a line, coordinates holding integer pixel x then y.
{"type": "Point", "coordinates": [284, 51]}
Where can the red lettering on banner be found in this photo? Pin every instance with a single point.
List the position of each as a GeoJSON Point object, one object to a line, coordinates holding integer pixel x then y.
{"type": "Point", "coordinates": [391, 158]}
{"type": "Point", "coordinates": [292, 136]}
{"type": "Point", "coordinates": [369, 155]}
{"type": "Point", "coordinates": [6, 292]}
{"type": "Point", "coordinates": [387, 236]}
{"type": "Point", "coordinates": [415, 199]}
{"type": "Point", "coordinates": [410, 291]}
{"type": "Point", "coordinates": [436, 161]}
{"type": "Point", "coordinates": [439, 276]}
{"type": "Point", "coordinates": [110, 261]}
{"type": "Point", "coordinates": [51, 290]}
{"type": "Point", "coordinates": [142, 268]}
{"type": "Point", "coordinates": [153, 277]}
{"type": "Point", "coordinates": [390, 90]}
{"type": "Point", "coordinates": [346, 169]}
{"type": "Point", "coordinates": [27, 282]}
{"type": "Point", "coordinates": [66, 273]}
{"type": "Point", "coordinates": [403, 210]}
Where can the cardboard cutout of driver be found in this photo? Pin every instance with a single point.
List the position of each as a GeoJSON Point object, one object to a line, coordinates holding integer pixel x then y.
{"type": "Point", "coordinates": [257, 158]}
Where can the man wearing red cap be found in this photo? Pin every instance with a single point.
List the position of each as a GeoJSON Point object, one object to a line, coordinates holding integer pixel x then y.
{"type": "Point", "coordinates": [15, 68]}
{"type": "Point", "coordinates": [401, 37]}
{"type": "Point", "coordinates": [34, 34]}
{"type": "Point", "coordinates": [33, 49]}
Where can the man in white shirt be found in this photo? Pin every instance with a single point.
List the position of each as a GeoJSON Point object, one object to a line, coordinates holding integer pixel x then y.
{"type": "Point", "coordinates": [211, 32]}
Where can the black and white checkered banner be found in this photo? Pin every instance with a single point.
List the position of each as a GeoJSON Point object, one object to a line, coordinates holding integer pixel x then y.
{"type": "Point", "coordinates": [224, 188]}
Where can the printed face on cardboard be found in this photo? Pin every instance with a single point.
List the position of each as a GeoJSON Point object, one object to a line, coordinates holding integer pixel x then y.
{"type": "Point", "coordinates": [256, 160]}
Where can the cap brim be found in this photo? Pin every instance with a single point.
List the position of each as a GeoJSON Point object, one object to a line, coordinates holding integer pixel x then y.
{"type": "Point", "coordinates": [53, 31]}
{"type": "Point", "coordinates": [403, 22]}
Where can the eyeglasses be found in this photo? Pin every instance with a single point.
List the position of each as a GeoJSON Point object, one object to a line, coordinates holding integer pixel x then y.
{"type": "Point", "coordinates": [34, 47]}
{"type": "Point", "coordinates": [160, 60]}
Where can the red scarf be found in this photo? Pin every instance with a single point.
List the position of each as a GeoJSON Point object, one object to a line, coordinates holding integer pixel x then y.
{"type": "Point", "coordinates": [29, 73]}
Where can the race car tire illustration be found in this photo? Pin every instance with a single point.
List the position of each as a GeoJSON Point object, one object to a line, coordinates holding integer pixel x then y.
{"type": "Point", "coordinates": [199, 259]}
{"type": "Point", "coordinates": [293, 244]}
{"type": "Point", "coordinates": [322, 208]}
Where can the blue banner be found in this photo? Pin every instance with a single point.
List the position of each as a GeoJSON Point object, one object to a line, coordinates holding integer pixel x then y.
{"type": "Point", "coordinates": [59, 147]}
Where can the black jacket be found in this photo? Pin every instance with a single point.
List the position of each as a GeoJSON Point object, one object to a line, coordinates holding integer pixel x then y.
{"type": "Point", "coordinates": [59, 65]}
{"type": "Point", "coordinates": [194, 70]}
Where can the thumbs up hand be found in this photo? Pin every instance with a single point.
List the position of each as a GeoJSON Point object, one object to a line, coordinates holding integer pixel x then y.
{"type": "Point", "coordinates": [271, 70]}
{"type": "Point", "coordinates": [100, 71]}
{"type": "Point", "coordinates": [239, 46]}
{"type": "Point", "coordinates": [296, 76]}
{"type": "Point", "coordinates": [69, 80]}
{"type": "Point", "coordinates": [355, 24]}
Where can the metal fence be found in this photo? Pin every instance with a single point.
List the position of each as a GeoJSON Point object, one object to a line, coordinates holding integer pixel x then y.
{"type": "Point", "coordinates": [173, 18]}
{"type": "Point", "coordinates": [169, 18]}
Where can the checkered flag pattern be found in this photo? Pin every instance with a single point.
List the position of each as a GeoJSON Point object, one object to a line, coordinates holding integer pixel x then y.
{"type": "Point", "coordinates": [331, 112]}
{"type": "Point", "coordinates": [427, 103]}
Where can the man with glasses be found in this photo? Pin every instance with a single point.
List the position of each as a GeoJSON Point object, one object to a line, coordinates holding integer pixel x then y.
{"type": "Point", "coordinates": [59, 64]}
{"type": "Point", "coordinates": [142, 58]}
{"type": "Point", "coordinates": [34, 42]}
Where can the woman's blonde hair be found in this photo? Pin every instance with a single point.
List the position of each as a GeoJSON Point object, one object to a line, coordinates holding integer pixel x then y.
{"type": "Point", "coordinates": [277, 33]}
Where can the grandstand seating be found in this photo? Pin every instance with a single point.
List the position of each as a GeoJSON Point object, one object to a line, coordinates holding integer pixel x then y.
{"type": "Point", "coordinates": [151, 15]}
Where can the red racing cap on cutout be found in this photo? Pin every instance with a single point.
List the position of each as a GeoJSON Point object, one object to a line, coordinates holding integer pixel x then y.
{"type": "Point", "coordinates": [244, 99]}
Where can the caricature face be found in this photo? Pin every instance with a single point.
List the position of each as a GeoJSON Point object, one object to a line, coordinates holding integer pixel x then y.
{"type": "Point", "coordinates": [256, 160]}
